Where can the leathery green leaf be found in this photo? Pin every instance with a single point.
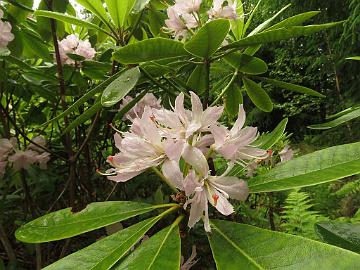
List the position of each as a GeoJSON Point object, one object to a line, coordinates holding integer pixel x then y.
{"type": "Point", "coordinates": [266, 141]}
{"type": "Point", "coordinates": [64, 223]}
{"type": "Point", "coordinates": [319, 167]}
{"type": "Point", "coordinates": [239, 246]}
{"type": "Point", "coordinates": [258, 95]}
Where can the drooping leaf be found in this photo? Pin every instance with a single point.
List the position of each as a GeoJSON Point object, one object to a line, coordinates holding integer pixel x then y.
{"type": "Point", "coordinates": [233, 99]}
{"type": "Point", "coordinates": [161, 251]}
{"type": "Point", "coordinates": [104, 253]}
{"type": "Point", "coordinates": [208, 39]}
{"type": "Point", "coordinates": [292, 87]}
{"type": "Point", "coordinates": [344, 235]}
{"type": "Point", "coordinates": [298, 19]}
{"type": "Point", "coordinates": [149, 50]}
{"type": "Point", "coordinates": [64, 223]}
{"type": "Point", "coordinates": [338, 121]}
{"type": "Point", "coordinates": [266, 141]}
{"type": "Point", "coordinates": [69, 19]}
{"type": "Point", "coordinates": [118, 89]}
{"type": "Point", "coordinates": [197, 79]}
{"type": "Point", "coordinates": [280, 34]}
{"type": "Point", "coordinates": [258, 95]}
{"type": "Point", "coordinates": [246, 63]}
{"type": "Point", "coordinates": [319, 167]}
{"type": "Point", "coordinates": [239, 246]}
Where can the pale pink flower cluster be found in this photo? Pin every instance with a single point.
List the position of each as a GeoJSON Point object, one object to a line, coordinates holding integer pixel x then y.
{"type": "Point", "coordinates": [137, 111]}
{"type": "Point", "coordinates": [73, 45]}
{"type": "Point", "coordinates": [162, 137]}
{"type": "Point", "coordinates": [9, 153]}
{"type": "Point", "coordinates": [182, 17]}
{"type": "Point", "coordinates": [5, 32]}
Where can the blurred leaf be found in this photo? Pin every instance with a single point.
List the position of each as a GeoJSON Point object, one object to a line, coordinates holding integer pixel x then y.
{"type": "Point", "coordinates": [119, 88]}
{"type": "Point", "coordinates": [354, 58]}
{"type": "Point", "coordinates": [258, 95]}
{"type": "Point", "coordinates": [64, 223]}
{"type": "Point", "coordinates": [208, 38]}
{"type": "Point", "coordinates": [197, 79]}
{"type": "Point", "coordinates": [344, 235]}
{"type": "Point", "coordinates": [20, 9]}
{"type": "Point", "coordinates": [322, 166]}
{"type": "Point", "coordinates": [233, 99]}
{"type": "Point", "coordinates": [240, 246]}
{"type": "Point", "coordinates": [295, 20]}
{"type": "Point", "coordinates": [96, 70]}
{"type": "Point", "coordinates": [338, 121]}
{"type": "Point", "coordinates": [246, 63]}
{"type": "Point", "coordinates": [120, 10]}
{"type": "Point", "coordinates": [268, 140]}
{"type": "Point", "coordinates": [140, 5]}
{"type": "Point", "coordinates": [237, 25]}
{"type": "Point", "coordinates": [149, 50]}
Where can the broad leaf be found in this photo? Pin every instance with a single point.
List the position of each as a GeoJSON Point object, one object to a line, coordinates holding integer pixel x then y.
{"type": "Point", "coordinates": [338, 121]}
{"type": "Point", "coordinates": [119, 10]}
{"type": "Point", "coordinates": [258, 95]}
{"type": "Point", "coordinates": [149, 50]}
{"type": "Point", "coordinates": [292, 87]}
{"type": "Point", "coordinates": [197, 79]}
{"type": "Point", "coordinates": [119, 88]}
{"type": "Point", "coordinates": [319, 167]}
{"type": "Point", "coordinates": [237, 25]}
{"type": "Point", "coordinates": [106, 252]}
{"type": "Point", "coordinates": [161, 251]}
{"type": "Point", "coordinates": [69, 19]}
{"type": "Point", "coordinates": [64, 223]}
{"type": "Point", "coordinates": [233, 99]}
{"type": "Point", "coordinates": [280, 34]}
{"type": "Point", "coordinates": [239, 246]}
{"type": "Point", "coordinates": [266, 141]}
{"type": "Point", "coordinates": [246, 63]}
{"type": "Point", "coordinates": [208, 39]}
{"type": "Point", "coordinates": [345, 235]}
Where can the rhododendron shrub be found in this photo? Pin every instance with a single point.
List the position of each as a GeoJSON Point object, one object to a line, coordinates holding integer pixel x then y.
{"type": "Point", "coordinates": [143, 106]}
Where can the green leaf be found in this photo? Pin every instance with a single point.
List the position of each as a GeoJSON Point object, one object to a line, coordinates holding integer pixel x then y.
{"type": "Point", "coordinates": [106, 252]}
{"type": "Point", "coordinates": [246, 63]}
{"type": "Point", "coordinates": [295, 20]}
{"type": "Point", "coordinates": [258, 95]}
{"type": "Point", "coordinates": [97, 8]}
{"type": "Point", "coordinates": [83, 117]}
{"type": "Point", "coordinates": [280, 34]}
{"type": "Point", "coordinates": [197, 79]}
{"type": "Point", "coordinates": [140, 5]}
{"type": "Point", "coordinates": [319, 167]}
{"type": "Point", "coordinates": [247, 24]}
{"type": "Point", "coordinates": [292, 87]}
{"type": "Point", "coordinates": [268, 140]}
{"type": "Point", "coordinates": [239, 246]}
{"type": "Point", "coordinates": [338, 121]}
{"type": "Point", "coordinates": [119, 88]}
{"type": "Point", "coordinates": [354, 58]}
{"type": "Point", "coordinates": [64, 223]}
{"type": "Point", "coordinates": [161, 251]}
{"type": "Point", "coordinates": [69, 19]}
{"type": "Point", "coordinates": [38, 48]}
{"type": "Point", "coordinates": [233, 98]}
{"type": "Point", "coordinates": [237, 25]}
{"type": "Point", "coordinates": [344, 235]}
{"type": "Point", "coordinates": [119, 10]}
{"type": "Point", "coordinates": [149, 50]}
{"type": "Point", "coordinates": [208, 39]}
{"type": "Point", "coordinates": [96, 70]}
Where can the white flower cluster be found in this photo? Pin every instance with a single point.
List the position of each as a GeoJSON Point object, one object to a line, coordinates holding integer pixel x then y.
{"type": "Point", "coordinates": [184, 15]}
{"type": "Point", "coordinates": [161, 137]}
{"type": "Point", "coordinates": [22, 159]}
{"type": "Point", "coordinates": [73, 45]}
{"type": "Point", "coordinates": [5, 32]}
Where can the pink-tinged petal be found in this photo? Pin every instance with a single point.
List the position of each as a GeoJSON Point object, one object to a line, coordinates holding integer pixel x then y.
{"type": "Point", "coordinates": [234, 187]}
{"type": "Point", "coordinates": [197, 108]}
{"type": "Point", "coordinates": [123, 177]}
{"type": "Point", "coordinates": [286, 154]}
{"type": "Point", "coordinates": [148, 127]}
{"type": "Point", "coordinates": [198, 206]}
{"type": "Point", "coordinates": [117, 139]}
{"type": "Point", "coordinates": [196, 159]}
{"type": "Point", "coordinates": [206, 217]}
{"type": "Point", "coordinates": [173, 149]}
{"type": "Point", "coordinates": [190, 183]}
{"type": "Point", "coordinates": [211, 115]}
{"type": "Point", "coordinates": [248, 153]}
{"type": "Point", "coordinates": [228, 151]}
{"type": "Point", "coordinates": [222, 204]}
{"type": "Point", "coordinates": [219, 133]}
{"type": "Point", "coordinates": [240, 121]}
{"type": "Point", "coordinates": [193, 127]}
{"type": "Point", "coordinates": [172, 173]}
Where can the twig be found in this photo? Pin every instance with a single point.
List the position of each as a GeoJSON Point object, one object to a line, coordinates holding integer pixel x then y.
{"type": "Point", "coordinates": [6, 244]}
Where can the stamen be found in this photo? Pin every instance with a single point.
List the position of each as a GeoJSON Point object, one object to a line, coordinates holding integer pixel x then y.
{"type": "Point", "coordinates": [105, 174]}
{"type": "Point", "coordinates": [114, 128]}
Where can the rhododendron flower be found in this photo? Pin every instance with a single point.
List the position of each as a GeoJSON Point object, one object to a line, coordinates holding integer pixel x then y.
{"type": "Point", "coordinates": [223, 9]}
{"type": "Point", "coordinates": [235, 144]}
{"type": "Point", "coordinates": [72, 44]}
{"type": "Point", "coordinates": [2, 168]}
{"type": "Point", "coordinates": [137, 111]}
{"type": "Point", "coordinates": [5, 32]}
{"type": "Point", "coordinates": [23, 159]}
{"type": "Point", "coordinates": [179, 22]}
{"type": "Point", "coordinates": [286, 154]}
{"type": "Point", "coordinates": [38, 140]}
{"type": "Point", "coordinates": [6, 147]}
{"type": "Point", "coordinates": [187, 6]}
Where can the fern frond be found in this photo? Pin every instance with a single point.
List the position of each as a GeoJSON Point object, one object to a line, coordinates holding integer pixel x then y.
{"type": "Point", "coordinates": [349, 188]}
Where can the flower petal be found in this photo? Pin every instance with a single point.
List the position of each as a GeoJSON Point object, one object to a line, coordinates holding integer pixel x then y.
{"type": "Point", "coordinates": [236, 188]}
{"type": "Point", "coordinates": [171, 171]}
{"type": "Point", "coordinates": [196, 159]}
